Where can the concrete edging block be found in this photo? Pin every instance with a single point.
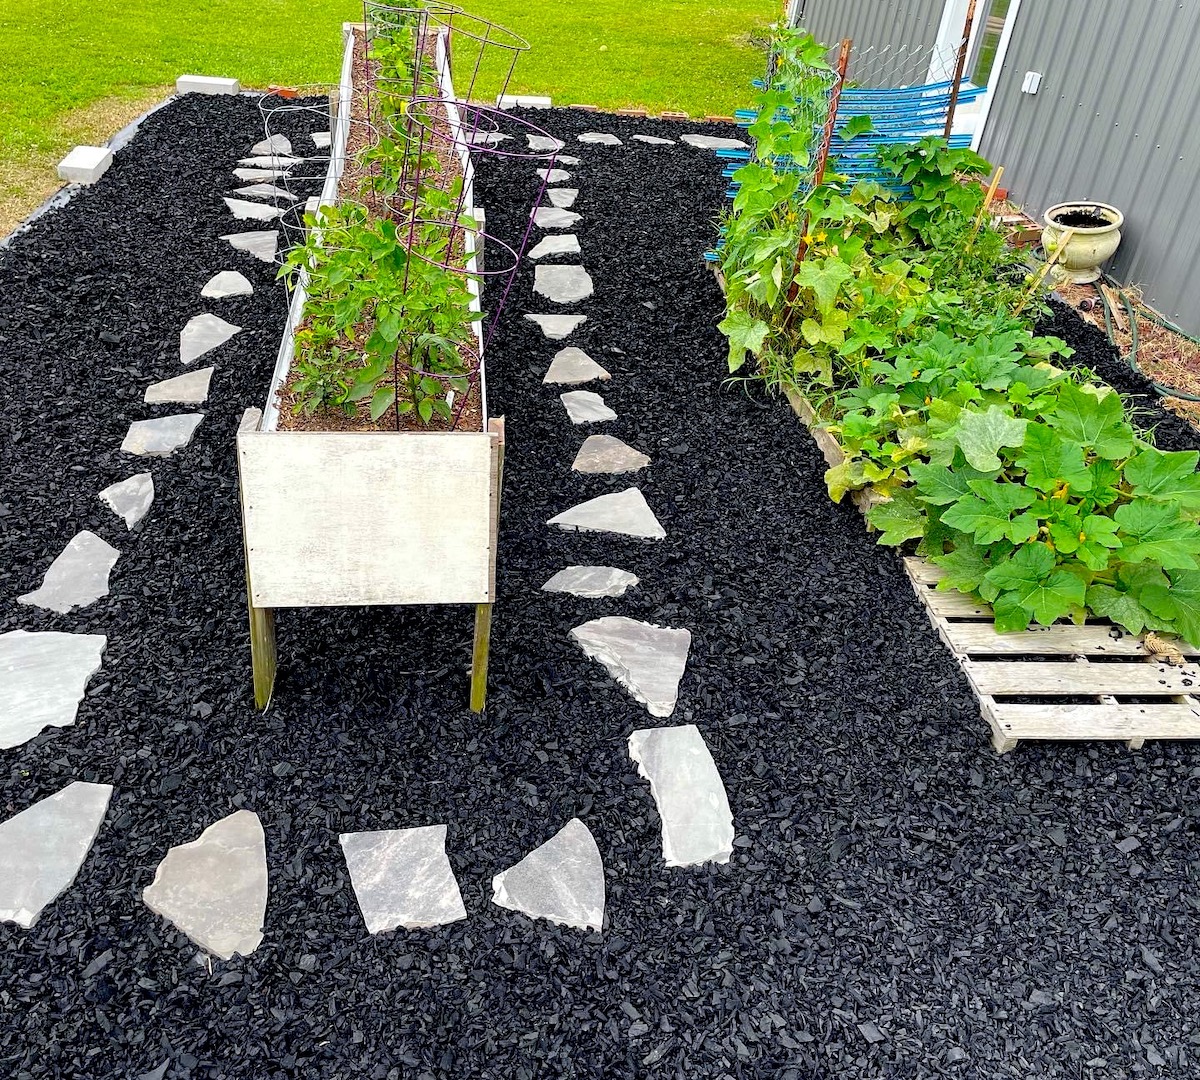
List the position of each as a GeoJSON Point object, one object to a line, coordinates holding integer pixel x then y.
{"type": "Point", "coordinates": [85, 164]}
{"type": "Point", "coordinates": [206, 84]}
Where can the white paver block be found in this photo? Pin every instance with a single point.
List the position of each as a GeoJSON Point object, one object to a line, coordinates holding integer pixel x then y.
{"type": "Point", "coordinates": [206, 84]}
{"type": "Point", "coordinates": [85, 164]}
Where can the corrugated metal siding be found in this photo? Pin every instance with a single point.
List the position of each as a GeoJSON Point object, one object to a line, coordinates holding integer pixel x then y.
{"type": "Point", "coordinates": [893, 39]}
{"type": "Point", "coordinates": [1114, 120]}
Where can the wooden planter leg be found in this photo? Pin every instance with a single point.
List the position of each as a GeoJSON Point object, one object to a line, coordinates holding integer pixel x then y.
{"type": "Point", "coordinates": [262, 651]}
{"type": "Point", "coordinates": [479, 656]}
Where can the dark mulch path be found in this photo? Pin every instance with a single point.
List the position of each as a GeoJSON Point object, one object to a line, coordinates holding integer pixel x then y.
{"type": "Point", "coordinates": [891, 875]}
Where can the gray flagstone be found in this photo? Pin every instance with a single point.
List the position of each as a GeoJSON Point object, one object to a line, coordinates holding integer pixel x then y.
{"type": "Point", "coordinates": [273, 144]}
{"type": "Point", "coordinates": [130, 499]}
{"type": "Point", "coordinates": [214, 889]}
{"type": "Point", "coordinates": [591, 581]}
{"type": "Point", "coordinates": [321, 140]}
{"type": "Point", "coordinates": [43, 847]}
{"type": "Point", "coordinates": [244, 210]}
{"type": "Point", "coordinates": [43, 676]}
{"type": "Point", "coordinates": [554, 176]}
{"type": "Point", "coordinates": [697, 825]}
{"type": "Point", "coordinates": [572, 365]}
{"type": "Point", "coordinates": [711, 142]}
{"type": "Point", "coordinates": [161, 437]}
{"type": "Point", "coordinates": [586, 407]}
{"type": "Point", "coordinates": [608, 454]}
{"type": "Point", "coordinates": [270, 161]}
{"type": "Point", "coordinates": [625, 513]}
{"type": "Point", "coordinates": [562, 197]}
{"type": "Point", "coordinates": [558, 244]}
{"type": "Point", "coordinates": [202, 334]}
{"type": "Point", "coordinates": [262, 245]}
{"type": "Point", "coordinates": [600, 137]}
{"type": "Point", "coordinates": [78, 577]}
{"type": "Point", "coordinates": [654, 140]}
{"type": "Point", "coordinates": [562, 284]}
{"type": "Point", "coordinates": [190, 388]}
{"type": "Point", "coordinates": [557, 327]}
{"type": "Point", "coordinates": [552, 217]}
{"type": "Point", "coordinates": [544, 142]}
{"type": "Point", "coordinates": [567, 159]}
{"type": "Point", "coordinates": [227, 283]}
{"type": "Point", "coordinates": [486, 138]}
{"type": "Point", "coordinates": [266, 191]}
{"type": "Point", "coordinates": [646, 659]}
{"type": "Point", "coordinates": [402, 877]}
{"type": "Point", "coordinates": [562, 880]}
{"type": "Point", "coordinates": [261, 174]}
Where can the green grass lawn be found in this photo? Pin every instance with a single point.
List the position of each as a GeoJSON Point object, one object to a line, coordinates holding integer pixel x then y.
{"type": "Point", "coordinates": [74, 71]}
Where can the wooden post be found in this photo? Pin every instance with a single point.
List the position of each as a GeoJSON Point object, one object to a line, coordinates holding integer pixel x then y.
{"type": "Point", "coordinates": [262, 650]}
{"type": "Point", "coordinates": [482, 645]}
{"type": "Point", "coordinates": [959, 65]}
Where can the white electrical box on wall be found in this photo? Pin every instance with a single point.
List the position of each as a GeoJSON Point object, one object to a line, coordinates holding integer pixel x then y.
{"type": "Point", "coordinates": [1033, 80]}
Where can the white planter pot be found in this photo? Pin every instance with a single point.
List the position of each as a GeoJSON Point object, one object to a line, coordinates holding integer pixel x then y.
{"type": "Point", "coordinates": [1090, 245]}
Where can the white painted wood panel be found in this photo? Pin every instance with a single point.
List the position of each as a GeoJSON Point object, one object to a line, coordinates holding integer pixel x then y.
{"type": "Point", "coordinates": [348, 518]}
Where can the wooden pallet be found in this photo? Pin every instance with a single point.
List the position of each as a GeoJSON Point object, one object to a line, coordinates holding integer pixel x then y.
{"type": "Point", "coordinates": [1076, 682]}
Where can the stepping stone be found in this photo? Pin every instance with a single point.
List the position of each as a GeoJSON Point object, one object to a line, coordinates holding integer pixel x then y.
{"type": "Point", "coordinates": [647, 660]}
{"type": "Point", "coordinates": [711, 142]}
{"type": "Point", "coordinates": [42, 679]}
{"type": "Point", "coordinates": [214, 889]}
{"type": "Point", "coordinates": [563, 880]}
{"type": "Point", "coordinates": [486, 138]}
{"type": "Point", "coordinates": [266, 191]}
{"type": "Point", "coordinates": [275, 144]}
{"type": "Point", "coordinates": [572, 365]}
{"type": "Point", "coordinates": [567, 159]}
{"type": "Point", "coordinates": [261, 174]}
{"type": "Point", "coordinates": [402, 877]}
{"type": "Point", "coordinates": [270, 161]}
{"type": "Point", "coordinates": [554, 176]}
{"type": "Point", "coordinates": [78, 577]}
{"type": "Point", "coordinates": [227, 283]}
{"type": "Point", "coordinates": [591, 581]}
{"type": "Point", "coordinates": [252, 211]}
{"type": "Point", "coordinates": [552, 217]}
{"type": "Point", "coordinates": [697, 826]}
{"type": "Point", "coordinates": [43, 847]}
{"type": "Point", "coordinates": [561, 244]}
{"type": "Point", "coordinates": [562, 197]}
{"type": "Point", "coordinates": [321, 140]}
{"type": "Point", "coordinates": [586, 407]}
{"type": "Point", "coordinates": [191, 388]}
{"type": "Point", "coordinates": [130, 499]}
{"type": "Point", "coordinates": [161, 437]}
{"type": "Point", "coordinates": [654, 140]}
{"type": "Point", "coordinates": [202, 334]}
{"type": "Point", "coordinates": [261, 245]}
{"type": "Point", "coordinates": [557, 327]}
{"type": "Point", "coordinates": [562, 284]}
{"type": "Point", "coordinates": [623, 512]}
{"type": "Point", "coordinates": [544, 142]}
{"type": "Point", "coordinates": [601, 137]}
{"type": "Point", "coordinates": [608, 454]}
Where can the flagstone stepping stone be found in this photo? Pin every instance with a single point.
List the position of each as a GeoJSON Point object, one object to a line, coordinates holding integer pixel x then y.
{"type": "Point", "coordinates": [261, 174]}
{"type": "Point", "coordinates": [567, 159]}
{"type": "Point", "coordinates": [486, 138]}
{"type": "Point", "coordinates": [402, 877]}
{"type": "Point", "coordinates": [697, 825]}
{"type": "Point", "coordinates": [321, 139]}
{"type": "Point", "coordinates": [623, 512]}
{"type": "Point", "coordinates": [227, 283]}
{"type": "Point", "coordinates": [544, 142]}
{"type": "Point", "coordinates": [608, 454]}
{"type": "Point", "coordinates": [266, 191]}
{"type": "Point", "coordinates": [654, 140]}
{"type": "Point", "coordinates": [191, 388]}
{"type": "Point", "coordinates": [646, 659]}
{"type": "Point", "coordinates": [561, 244]}
{"type": "Point", "coordinates": [553, 217]}
{"type": "Point", "coordinates": [252, 211]}
{"type": "Point", "coordinates": [557, 327]}
{"type": "Point", "coordinates": [562, 284]}
{"type": "Point", "coordinates": [586, 407]}
{"type": "Point", "coordinates": [202, 334]}
{"type": "Point", "coordinates": [270, 161]}
{"type": "Point", "coordinates": [591, 581]}
{"type": "Point", "coordinates": [562, 197]}
{"type": "Point", "coordinates": [711, 142]}
{"type": "Point", "coordinates": [572, 365]}
{"type": "Point", "coordinates": [130, 499]}
{"type": "Point", "coordinates": [563, 880]}
{"type": "Point", "coordinates": [600, 137]}
{"type": "Point", "coordinates": [43, 847]}
{"type": "Point", "coordinates": [43, 676]}
{"type": "Point", "coordinates": [554, 176]}
{"type": "Point", "coordinates": [78, 577]}
{"type": "Point", "coordinates": [214, 889]}
{"type": "Point", "coordinates": [261, 245]}
{"type": "Point", "coordinates": [274, 144]}
{"type": "Point", "coordinates": [161, 437]}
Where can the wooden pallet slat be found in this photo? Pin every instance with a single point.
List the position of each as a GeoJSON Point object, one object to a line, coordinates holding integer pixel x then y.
{"type": "Point", "coordinates": [981, 639]}
{"type": "Point", "coordinates": [1046, 721]}
{"type": "Point", "coordinates": [994, 677]}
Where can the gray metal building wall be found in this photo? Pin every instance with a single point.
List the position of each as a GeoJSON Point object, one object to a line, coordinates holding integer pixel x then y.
{"type": "Point", "coordinates": [906, 29]}
{"type": "Point", "coordinates": [1115, 119]}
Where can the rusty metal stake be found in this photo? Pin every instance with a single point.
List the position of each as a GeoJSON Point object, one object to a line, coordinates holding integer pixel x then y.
{"type": "Point", "coordinates": [959, 66]}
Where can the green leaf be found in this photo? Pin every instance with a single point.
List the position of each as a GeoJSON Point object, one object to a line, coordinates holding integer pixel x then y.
{"type": "Point", "coordinates": [965, 568]}
{"type": "Point", "coordinates": [855, 126]}
{"type": "Point", "coordinates": [1154, 532]}
{"type": "Point", "coordinates": [1180, 604]}
{"type": "Point", "coordinates": [1166, 476]}
{"type": "Point", "coordinates": [988, 513]}
{"type": "Point", "coordinates": [1122, 607]}
{"type": "Point", "coordinates": [980, 435]}
{"type": "Point", "coordinates": [940, 485]}
{"type": "Point", "coordinates": [1050, 461]}
{"type": "Point", "coordinates": [1030, 579]}
{"type": "Point", "coordinates": [745, 334]}
{"type": "Point", "coordinates": [1092, 417]}
{"type": "Point", "coordinates": [425, 410]}
{"type": "Point", "coordinates": [899, 519]}
{"type": "Point", "coordinates": [825, 278]}
{"type": "Point", "coordinates": [382, 401]}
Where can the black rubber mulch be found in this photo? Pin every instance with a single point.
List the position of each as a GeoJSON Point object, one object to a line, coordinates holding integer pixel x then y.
{"type": "Point", "coordinates": [901, 901]}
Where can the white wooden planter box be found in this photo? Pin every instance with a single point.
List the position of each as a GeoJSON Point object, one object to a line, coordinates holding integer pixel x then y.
{"type": "Point", "coordinates": [355, 518]}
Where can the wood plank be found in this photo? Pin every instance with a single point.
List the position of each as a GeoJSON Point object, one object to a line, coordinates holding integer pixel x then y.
{"type": "Point", "coordinates": [923, 571]}
{"type": "Point", "coordinates": [1127, 722]}
{"type": "Point", "coordinates": [980, 638]}
{"type": "Point", "coordinates": [954, 604]}
{"type": "Point", "coordinates": [1134, 678]}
